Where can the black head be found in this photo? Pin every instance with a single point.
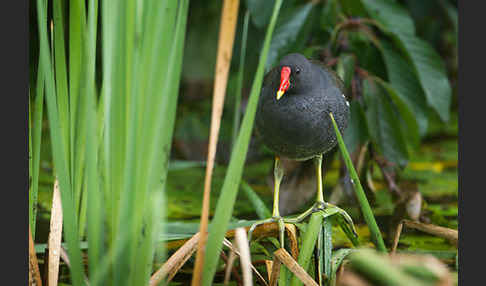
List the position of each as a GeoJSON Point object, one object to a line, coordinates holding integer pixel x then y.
{"type": "Point", "coordinates": [301, 75]}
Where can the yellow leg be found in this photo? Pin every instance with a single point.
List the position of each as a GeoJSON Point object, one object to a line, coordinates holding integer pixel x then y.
{"type": "Point", "coordinates": [320, 192]}
{"type": "Point", "coordinates": [320, 203]}
{"type": "Point", "coordinates": [278, 173]}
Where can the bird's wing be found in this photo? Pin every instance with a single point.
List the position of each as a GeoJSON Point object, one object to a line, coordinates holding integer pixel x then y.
{"type": "Point", "coordinates": [337, 80]}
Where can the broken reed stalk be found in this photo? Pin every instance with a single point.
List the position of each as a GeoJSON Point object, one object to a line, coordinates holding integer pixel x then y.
{"type": "Point", "coordinates": [33, 263]}
{"type": "Point", "coordinates": [284, 257]}
{"type": "Point", "coordinates": [245, 260]}
{"type": "Point", "coordinates": [228, 244]}
{"type": "Point", "coordinates": [55, 236]}
{"type": "Point", "coordinates": [292, 235]}
{"type": "Point", "coordinates": [170, 268]}
{"type": "Point", "coordinates": [229, 266]}
{"type": "Point", "coordinates": [444, 232]}
{"type": "Point", "coordinates": [275, 272]}
{"type": "Point", "coordinates": [396, 238]}
{"type": "Point", "coordinates": [450, 234]}
{"type": "Point", "coordinates": [225, 49]}
{"type": "Point", "coordinates": [268, 266]}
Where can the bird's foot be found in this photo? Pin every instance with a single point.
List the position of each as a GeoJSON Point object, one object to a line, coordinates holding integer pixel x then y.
{"type": "Point", "coordinates": [281, 227]}
{"type": "Point", "coordinates": [281, 221]}
{"type": "Point", "coordinates": [317, 206]}
{"type": "Point", "coordinates": [326, 210]}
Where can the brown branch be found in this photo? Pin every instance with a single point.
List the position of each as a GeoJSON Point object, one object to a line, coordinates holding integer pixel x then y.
{"type": "Point", "coordinates": [444, 232]}
{"type": "Point", "coordinates": [170, 268]}
{"type": "Point", "coordinates": [284, 257]}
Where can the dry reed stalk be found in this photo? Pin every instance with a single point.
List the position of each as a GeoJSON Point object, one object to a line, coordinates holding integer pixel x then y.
{"type": "Point", "coordinates": [396, 238]}
{"type": "Point", "coordinates": [225, 50]}
{"type": "Point", "coordinates": [264, 230]}
{"type": "Point", "coordinates": [275, 272]}
{"type": "Point", "coordinates": [34, 273]}
{"type": "Point", "coordinates": [450, 234]}
{"type": "Point", "coordinates": [228, 244]}
{"type": "Point", "coordinates": [444, 232]}
{"type": "Point", "coordinates": [284, 257]}
{"type": "Point", "coordinates": [268, 266]}
{"type": "Point", "coordinates": [229, 266]}
{"type": "Point", "coordinates": [292, 233]}
{"type": "Point", "coordinates": [55, 236]}
{"type": "Point", "coordinates": [170, 268]}
{"type": "Point", "coordinates": [245, 260]}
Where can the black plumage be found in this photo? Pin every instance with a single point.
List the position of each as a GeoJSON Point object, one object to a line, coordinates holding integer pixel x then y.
{"type": "Point", "coordinates": [298, 125]}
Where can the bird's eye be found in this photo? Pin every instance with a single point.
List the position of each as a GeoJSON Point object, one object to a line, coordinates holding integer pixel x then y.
{"type": "Point", "coordinates": [297, 71]}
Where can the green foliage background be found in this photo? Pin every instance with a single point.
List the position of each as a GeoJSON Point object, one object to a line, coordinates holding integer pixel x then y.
{"type": "Point", "coordinates": [398, 60]}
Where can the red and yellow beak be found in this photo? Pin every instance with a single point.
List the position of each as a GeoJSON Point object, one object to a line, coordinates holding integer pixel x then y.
{"type": "Point", "coordinates": [284, 82]}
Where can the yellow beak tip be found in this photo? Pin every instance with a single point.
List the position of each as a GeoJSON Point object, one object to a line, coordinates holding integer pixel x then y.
{"type": "Point", "coordinates": [280, 93]}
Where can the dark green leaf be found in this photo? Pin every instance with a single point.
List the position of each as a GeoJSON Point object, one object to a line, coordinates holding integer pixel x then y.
{"type": "Point", "coordinates": [368, 55]}
{"type": "Point", "coordinates": [353, 8]}
{"type": "Point", "coordinates": [451, 13]}
{"type": "Point", "coordinates": [391, 15]}
{"type": "Point", "coordinates": [329, 15]}
{"type": "Point", "coordinates": [431, 73]}
{"type": "Point", "coordinates": [383, 126]}
{"type": "Point", "coordinates": [288, 27]}
{"type": "Point", "coordinates": [427, 64]}
{"type": "Point", "coordinates": [260, 11]}
{"type": "Point", "coordinates": [345, 69]}
{"type": "Point", "coordinates": [404, 81]}
{"type": "Point", "coordinates": [356, 132]}
{"type": "Point", "coordinates": [410, 130]}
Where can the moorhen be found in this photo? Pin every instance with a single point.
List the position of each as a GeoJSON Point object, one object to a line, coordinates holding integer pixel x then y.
{"type": "Point", "coordinates": [293, 120]}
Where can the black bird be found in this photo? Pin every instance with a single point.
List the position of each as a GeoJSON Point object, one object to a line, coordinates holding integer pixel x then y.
{"type": "Point", "coordinates": [293, 120]}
